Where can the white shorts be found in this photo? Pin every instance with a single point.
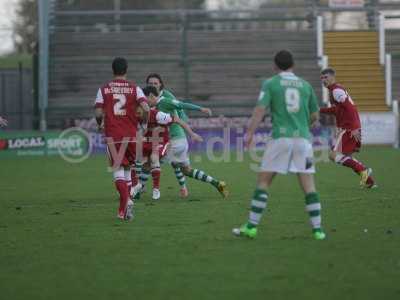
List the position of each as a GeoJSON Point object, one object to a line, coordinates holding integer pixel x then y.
{"type": "Point", "coordinates": [178, 152]}
{"type": "Point", "coordinates": [285, 155]}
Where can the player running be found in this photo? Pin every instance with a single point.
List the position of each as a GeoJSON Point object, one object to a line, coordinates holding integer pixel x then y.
{"type": "Point", "coordinates": [115, 109]}
{"type": "Point", "coordinates": [156, 140]}
{"type": "Point", "coordinates": [178, 152]}
{"type": "Point", "coordinates": [293, 106]}
{"type": "Point", "coordinates": [348, 132]}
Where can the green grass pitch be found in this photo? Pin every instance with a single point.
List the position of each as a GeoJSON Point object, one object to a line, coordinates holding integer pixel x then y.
{"type": "Point", "coordinates": [60, 239]}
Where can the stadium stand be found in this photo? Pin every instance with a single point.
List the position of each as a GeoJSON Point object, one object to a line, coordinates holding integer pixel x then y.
{"type": "Point", "coordinates": [355, 56]}
{"type": "Point", "coordinates": [393, 47]}
{"type": "Point", "coordinates": [213, 61]}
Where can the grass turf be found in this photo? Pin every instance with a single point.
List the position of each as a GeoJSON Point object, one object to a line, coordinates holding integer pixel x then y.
{"type": "Point", "coordinates": [59, 238]}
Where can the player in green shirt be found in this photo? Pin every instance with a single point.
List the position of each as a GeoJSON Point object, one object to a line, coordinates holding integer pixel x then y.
{"type": "Point", "coordinates": [293, 107]}
{"type": "Point", "coordinates": [178, 152]}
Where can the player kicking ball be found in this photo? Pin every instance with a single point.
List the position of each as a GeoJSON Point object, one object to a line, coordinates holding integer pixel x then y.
{"type": "Point", "coordinates": [293, 106]}
{"type": "Point", "coordinates": [348, 131]}
{"type": "Point", "coordinates": [156, 140]}
{"type": "Point", "coordinates": [178, 142]}
{"type": "Point", "coordinates": [177, 153]}
{"type": "Point", "coordinates": [115, 111]}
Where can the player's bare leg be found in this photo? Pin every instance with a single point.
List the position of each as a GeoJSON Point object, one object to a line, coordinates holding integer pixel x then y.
{"type": "Point", "coordinates": [202, 176]}
{"type": "Point", "coordinates": [346, 160]}
{"type": "Point", "coordinates": [257, 205]}
{"type": "Point", "coordinates": [313, 205]}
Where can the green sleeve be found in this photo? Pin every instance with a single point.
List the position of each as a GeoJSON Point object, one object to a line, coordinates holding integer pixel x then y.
{"type": "Point", "coordinates": [181, 114]}
{"type": "Point", "coordinates": [189, 106]}
{"type": "Point", "coordinates": [170, 104]}
{"type": "Point", "coordinates": [265, 95]}
{"type": "Point", "coordinates": [313, 105]}
{"type": "Point", "coordinates": [168, 94]}
{"type": "Point", "coordinates": [176, 104]}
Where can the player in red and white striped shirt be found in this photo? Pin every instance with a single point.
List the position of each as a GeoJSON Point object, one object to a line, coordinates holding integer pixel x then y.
{"type": "Point", "coordinates": [348, 134]}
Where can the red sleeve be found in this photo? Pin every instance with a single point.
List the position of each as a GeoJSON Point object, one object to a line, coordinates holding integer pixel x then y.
{"type": "Point", "coordinates": [328, 110]}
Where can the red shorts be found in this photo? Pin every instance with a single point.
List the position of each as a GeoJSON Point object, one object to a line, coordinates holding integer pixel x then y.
{"type": "Point", "coordinates": [160, 148]}
{"type": "Point", "coordinates": [121, 154]}
{"type": "Point", "coordinates": [346, 143]}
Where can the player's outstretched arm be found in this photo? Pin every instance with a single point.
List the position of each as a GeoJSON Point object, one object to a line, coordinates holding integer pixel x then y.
{"type": "Point", "coordinates": [255, 120]}
{"type": "Point", "coordinates": [3, 122]}
{"type": "Point", "coordinates": [187, 128]}
{"type": "Point", "coordinates": [207, 111]}
{"type": "Point", "coordinates": [314, 118]}
{"type": "Point", "coordinates": [328, 110]}
{"type": "Point", "coordinates": [189, 106]}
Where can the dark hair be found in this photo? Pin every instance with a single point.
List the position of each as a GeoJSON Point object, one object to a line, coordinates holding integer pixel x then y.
{"type": "Point", "coordinates": [329, 71]}
{"type": "Point", "coordinates": [284, 60]}
{"type": "Point", "coordinates": [155, 75]}
{"type": "Point", "coordinates": [119, 66]}
{"type": "Point", "coordinates": [150, 90]}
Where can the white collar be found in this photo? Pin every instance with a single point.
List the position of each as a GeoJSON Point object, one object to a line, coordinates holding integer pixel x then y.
{"type": "Point", "coordinates": [284, 73]}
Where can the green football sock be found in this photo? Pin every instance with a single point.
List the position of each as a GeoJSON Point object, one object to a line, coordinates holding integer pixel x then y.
{"type": "Point", "coordinates": [258, 205]}
{"type": "Point", "coordinates": [200, 175]}
{"type": "Point", "coordinates": [138, 168]}
{"type": "Point", "coordinates": [180, 177]}
{"type": "Point", "coordinates": [144, 176]}
{"type": "Point", "coordinates": [313, 207]}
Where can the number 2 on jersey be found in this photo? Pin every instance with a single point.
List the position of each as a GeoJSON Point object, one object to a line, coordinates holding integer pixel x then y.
{"type": "Point", "coordinates": [119, 106]}
{"type": "Point", "coordinates": [292, 99]}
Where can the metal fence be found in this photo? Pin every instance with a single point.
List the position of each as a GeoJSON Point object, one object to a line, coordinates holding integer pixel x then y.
{"type": "Point", "coordinates": [16, 98]}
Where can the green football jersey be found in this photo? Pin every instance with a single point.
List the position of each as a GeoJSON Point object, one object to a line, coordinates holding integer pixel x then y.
{"type": "Point", "coordinates": [291, 101]}
{"type": "Point", "coordinates": [169, 104]}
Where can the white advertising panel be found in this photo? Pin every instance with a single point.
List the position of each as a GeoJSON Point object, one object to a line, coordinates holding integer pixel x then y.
{"type": "Point", "coordinates": [346, 3]}
{"type": "Point", "coordinates": [378, 128]}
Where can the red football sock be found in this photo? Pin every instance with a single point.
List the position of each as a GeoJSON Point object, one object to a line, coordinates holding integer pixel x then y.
{"type": "Point", "coordinates": [135, 179]}
{"type": "Point", "coordinates": [370, 181]}
{"type": "Point", "coordinates": [129, 185]}
{"type": "Point", "coordinates": [123, 191]}
{"type": "Point", "coordinates": [156, 174]}
{"type": "Point", "coordinates": [354, 164]}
